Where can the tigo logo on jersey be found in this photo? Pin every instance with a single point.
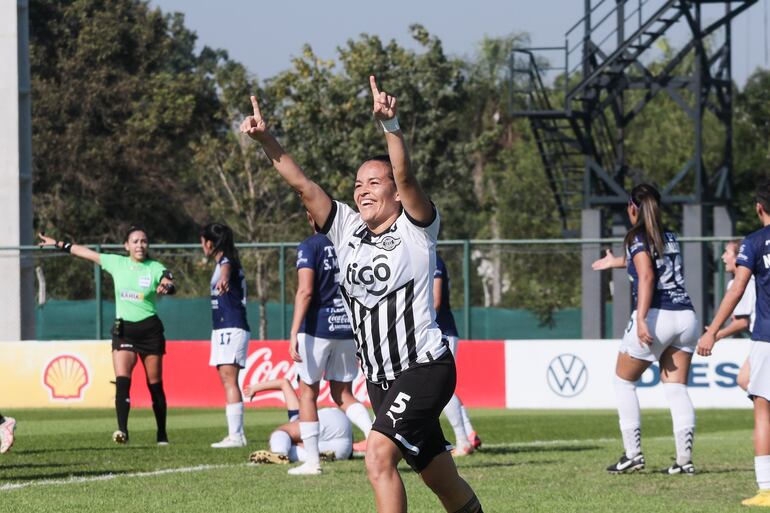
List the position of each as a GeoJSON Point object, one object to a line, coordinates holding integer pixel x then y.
{"type": "Point", "coordinates": [66, 377]}
{"type": "Point", "coordinates": [567, 375]}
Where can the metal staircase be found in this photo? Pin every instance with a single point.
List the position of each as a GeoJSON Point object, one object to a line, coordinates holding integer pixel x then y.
{"type": "Point", "coordinates": [581, 140]}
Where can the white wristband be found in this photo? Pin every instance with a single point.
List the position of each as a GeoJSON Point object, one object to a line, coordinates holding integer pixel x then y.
{"type": "Point", "coordinates": [390, 125]}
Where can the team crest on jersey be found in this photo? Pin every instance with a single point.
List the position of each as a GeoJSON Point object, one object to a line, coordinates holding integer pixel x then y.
{"type": "Point", "coordinates": [388, 243]}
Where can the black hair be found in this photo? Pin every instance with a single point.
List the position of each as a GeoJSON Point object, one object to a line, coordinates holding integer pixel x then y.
{"type": "Point", "coordinates": [763, 194]}
{"type": "Point", "coordinates": [646, 199]}
{"type": "Point", "coordinates": [385, 158]}
{"type": "Point", "coordinates": [133, 228]}
{"type": "Point", "coordinates": [222, 237]}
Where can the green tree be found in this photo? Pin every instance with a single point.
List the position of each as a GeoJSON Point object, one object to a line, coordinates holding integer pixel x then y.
{"type": "Point", "coordinates": [119, 97]}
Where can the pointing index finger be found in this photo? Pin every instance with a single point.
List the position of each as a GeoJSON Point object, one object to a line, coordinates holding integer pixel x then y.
{"type": "Point", "coordinates": [373, 84]}
{"type": "Point", "coordinates": [255, 105]}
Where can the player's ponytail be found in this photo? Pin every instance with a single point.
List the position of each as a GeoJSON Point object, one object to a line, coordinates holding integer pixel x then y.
{"type": "Point", "coordinates": [649, 223]}
{"type": "Point", "coordinates": [222, 237]}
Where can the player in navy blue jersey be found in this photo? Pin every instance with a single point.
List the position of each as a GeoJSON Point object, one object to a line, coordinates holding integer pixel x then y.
{"type": "Point", "coordinates": [663, 328]}
{"type": "Point", "coordinates": [387, 255]}
{"type": "Point", "coordinates": [230, 334]}
{"type": "Point", "coordinates": [753, 259]}
{"type": "Point", "coordinates": [322, 344]}
{"type": "Point", "coordinates": [466, 439]}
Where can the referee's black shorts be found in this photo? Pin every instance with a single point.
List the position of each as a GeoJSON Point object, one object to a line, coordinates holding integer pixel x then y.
{"type": "Point", "coordinates": [144, 337]}
{"type": "Point", "coordinates": [407, 410]}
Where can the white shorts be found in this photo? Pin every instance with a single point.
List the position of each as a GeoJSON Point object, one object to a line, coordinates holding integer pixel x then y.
{"type": "Point", "coordinates": [332, 359]}
{"type": "Point", "coordinates": [675, 328]}
{"type": "Point", "coordinates": [453, 341]}
{"type": "Point", "coordinates": [759, 363]}
{"type": "Point", "coordinates": [229, 347]}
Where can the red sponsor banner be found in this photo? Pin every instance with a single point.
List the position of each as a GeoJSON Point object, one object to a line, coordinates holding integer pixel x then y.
{"type": "Point", "coordinates": [189, 381]}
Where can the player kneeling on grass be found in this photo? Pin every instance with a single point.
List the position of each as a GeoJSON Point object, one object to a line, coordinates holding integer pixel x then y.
{"type": "Point", "coordinates": [335, 437]}
{"type": "Point", "coordinates": [753, 259]}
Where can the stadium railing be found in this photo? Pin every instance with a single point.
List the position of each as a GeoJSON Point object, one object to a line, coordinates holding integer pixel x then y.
{"type": "Point", "coordinates": [499, 288]}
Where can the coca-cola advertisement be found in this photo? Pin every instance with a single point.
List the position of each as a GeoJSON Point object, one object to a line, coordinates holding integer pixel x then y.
{"type": "Point", "coordinates": [190, 382]}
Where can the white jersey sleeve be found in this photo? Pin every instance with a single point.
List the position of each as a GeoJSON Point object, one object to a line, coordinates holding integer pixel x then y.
{"type": "Point", "coordinates": [424, 234]}
{"type": "Point", "coordinates": [745, 307]}
{"type": "Point", "coordinates": [341, 224]}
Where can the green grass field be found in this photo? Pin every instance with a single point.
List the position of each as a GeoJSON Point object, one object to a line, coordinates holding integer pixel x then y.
{"type": "Point", "coordinates": [548, 461]}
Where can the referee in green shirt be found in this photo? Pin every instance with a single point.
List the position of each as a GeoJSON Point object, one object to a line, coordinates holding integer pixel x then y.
{"type": "Point", "coordinates": [137, 329]}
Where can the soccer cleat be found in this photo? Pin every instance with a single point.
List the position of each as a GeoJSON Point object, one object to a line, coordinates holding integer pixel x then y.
{"type": "Point", "coordinates": [465, 450]}
{"type": "Point", "coordinates": [474, 439]}
{"type": "Point", "coordinates": [230, 441]}
{"type": "Point", "coordinates": [627, 464]}
{"type": "Point", "coordinates": [327, 456]}
{"type": "Point", "coordinates": [6, 434]}
{"type": "Point", "coordinates": [762, 498]}
{"type": "Point", "coordinates": [264, 457]}
{"type": "Point", "coordinates": [359, 448]}
{"type": "Point", "coordinates": [687, 468]}
{"type": "Point", "coordinates": [306, 469]}
{"type": "Point", "coordinates": [119, 437]}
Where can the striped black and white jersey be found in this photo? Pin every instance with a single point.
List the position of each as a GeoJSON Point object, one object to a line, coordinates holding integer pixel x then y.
{"type": "Point", "coordinates": [387, 284]}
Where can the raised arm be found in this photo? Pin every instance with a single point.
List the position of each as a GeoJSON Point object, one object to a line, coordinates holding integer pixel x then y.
{"type": "Point", "coordinates": [69, 247]}
{"type": "Point", "coordinates": [316, 201]}
{"type": "Point", "coordinates": [413, 198]}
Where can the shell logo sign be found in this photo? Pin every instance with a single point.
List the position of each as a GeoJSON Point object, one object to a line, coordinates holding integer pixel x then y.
{"type": "Point", "coordinates": [66, 377]}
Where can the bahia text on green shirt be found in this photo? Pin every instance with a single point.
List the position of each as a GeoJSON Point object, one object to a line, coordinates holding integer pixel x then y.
{"type": "Point", "coordinates": [135, 284]}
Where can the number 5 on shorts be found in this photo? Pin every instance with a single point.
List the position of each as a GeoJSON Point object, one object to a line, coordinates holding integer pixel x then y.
{"type": "Point", "coordinates": [399, 403]}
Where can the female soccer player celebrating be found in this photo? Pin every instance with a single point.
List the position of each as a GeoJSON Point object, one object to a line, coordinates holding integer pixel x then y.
{"type": "Point", "coordinates": [387, 254]}
{"type": "Point", "coordinates": [137, 329]}
{"type": "Point", "coordinates": [230, 333]}
{"type": "Point", "coordinates": [663, 328]}
{"type": "Point", "coordinates": [753, 259]}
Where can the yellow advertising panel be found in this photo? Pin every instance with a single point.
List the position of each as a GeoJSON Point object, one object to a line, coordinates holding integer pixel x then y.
{"type": "Point", "coordinates": [43, 374]}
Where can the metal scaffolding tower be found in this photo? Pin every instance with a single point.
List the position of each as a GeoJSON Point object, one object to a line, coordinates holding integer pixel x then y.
{"type": "Point", "coordinates": [581, 138]}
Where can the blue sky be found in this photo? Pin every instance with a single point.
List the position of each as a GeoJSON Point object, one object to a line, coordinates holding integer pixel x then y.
{"type": "Point", "coordinates": [265, 35]}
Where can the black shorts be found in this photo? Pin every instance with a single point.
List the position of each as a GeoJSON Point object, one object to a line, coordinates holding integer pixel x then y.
{"type": "Point", "coordinates": [143, 337]}
{"type": "Point", "coordinates": [408, 411]}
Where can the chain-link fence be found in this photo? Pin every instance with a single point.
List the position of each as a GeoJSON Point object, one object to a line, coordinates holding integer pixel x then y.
{"type": "Point", "coordinates": [503, 289]}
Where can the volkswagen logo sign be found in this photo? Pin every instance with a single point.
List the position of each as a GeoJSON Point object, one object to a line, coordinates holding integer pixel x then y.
{"type": "Point", "coordinates": [567, 375]}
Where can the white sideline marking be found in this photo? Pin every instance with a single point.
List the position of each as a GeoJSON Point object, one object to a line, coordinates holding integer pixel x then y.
{"type": "Point", "coordinates": [107, 477]}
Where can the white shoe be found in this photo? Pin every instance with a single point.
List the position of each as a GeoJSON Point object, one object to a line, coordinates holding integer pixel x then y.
{"type": "Point", "coordinates": [6, 434]}
{"type": "Point", "coordinates": [306, 469]}
{"type": "Point", "coordinates": [230, 441]}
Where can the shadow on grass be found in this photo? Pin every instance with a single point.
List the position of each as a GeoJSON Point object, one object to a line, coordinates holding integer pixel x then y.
{"type": "Point", "coordinates": [728, 470]}
{"type": "Point", "coordinates": [532, 463]}
{"type": "Point", "coordinates": [537, 449]}
{"type": "Point", "coordinates": [37, 465]}
{"type": "Point", "coordinates": [62, 475]}
{"type": "Point", "coordinates": [78, 449]}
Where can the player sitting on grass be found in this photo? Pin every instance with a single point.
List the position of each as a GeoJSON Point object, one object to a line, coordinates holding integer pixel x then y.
{"type": "Point", "coordinates": [335, 438]}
